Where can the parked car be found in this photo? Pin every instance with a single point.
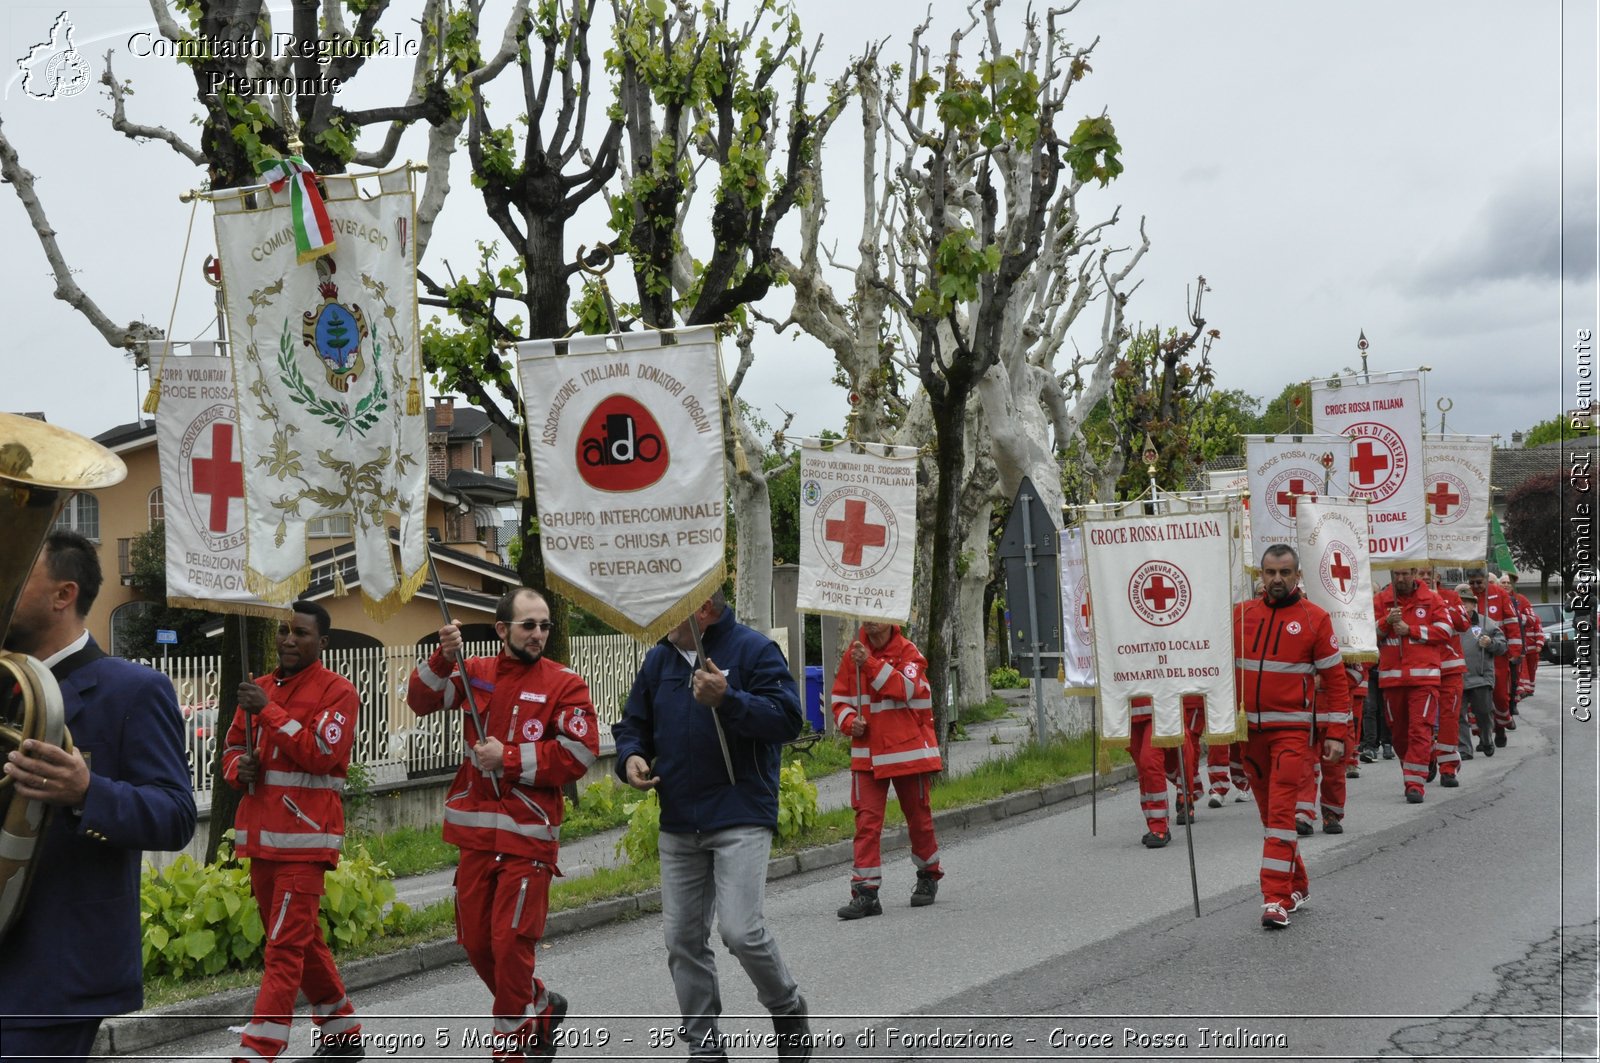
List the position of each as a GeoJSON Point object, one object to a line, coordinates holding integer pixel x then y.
{"type": "Point", "coordinates": [1561, 645]}
{"type": "Point", "coordinates": [200, 721]}
{"type": "Point", "coordinates": [1552, 613]}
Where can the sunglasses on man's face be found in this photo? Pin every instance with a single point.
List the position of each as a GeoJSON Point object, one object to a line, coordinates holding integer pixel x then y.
{"type": "Point", "coordinates": [529, 625]}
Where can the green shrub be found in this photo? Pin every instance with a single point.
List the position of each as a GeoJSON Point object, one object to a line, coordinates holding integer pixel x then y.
{"type": "Point", "coordinates": [604, 805]}
{"type": "Point", "coordinates": [201, 919]}
{"type": "Point", "coordinates": [797, 800]}
{"type": "Point", "coordinates": [642, 840]}
{"type": "Point", "coordinates": [1006, 678]}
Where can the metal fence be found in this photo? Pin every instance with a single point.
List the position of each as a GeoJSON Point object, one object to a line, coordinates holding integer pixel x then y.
{"type": "Point", "coordinates": [391, 743]}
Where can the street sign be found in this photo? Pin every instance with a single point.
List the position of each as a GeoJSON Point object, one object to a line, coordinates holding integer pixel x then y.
{"type": "Point", "coordinates": [166, 637]}
{"type": "Point", "coordinates": [1028, 549]}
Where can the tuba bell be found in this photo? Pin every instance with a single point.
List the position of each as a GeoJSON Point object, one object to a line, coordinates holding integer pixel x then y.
{"type": "Point", "coordinates": [41, 468]}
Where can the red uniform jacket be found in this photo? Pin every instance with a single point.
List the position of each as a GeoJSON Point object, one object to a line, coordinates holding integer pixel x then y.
{"type": "Point", "coordinates": [1532, 627]}
{"type": "Point", "coordinates": [1415, 658]}
{"type": "Point", "coordinates": [543, 715]}
{"type": "Point", "coordinates": [1452, 665]}
{"type": "Point", "coordinates": [1497, 606]}
{"type": "Point", "coordinates": [304, 737]}
{"type": "Point", "coordinates": [1279, 650]}
{"type": "Point", "coordinates": [900, 739]}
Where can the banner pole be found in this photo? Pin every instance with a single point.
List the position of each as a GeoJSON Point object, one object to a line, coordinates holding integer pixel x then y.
{"type": "Point", "coordinates": [1094, 769]}
{"type": "Point", "coordinates": [244, 670]}
{"type": "Point", "coordinates": [1033, 618]}
{"type": "Point", "coordinates": [722, 738]}
{"type": "Point", "coordinates": [1188, 826]}
{"type": "Point", "coordinates": [466, 685]}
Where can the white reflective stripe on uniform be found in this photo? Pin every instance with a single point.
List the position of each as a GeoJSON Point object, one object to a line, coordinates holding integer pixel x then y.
{"type": "Point", "coordinates": [1422, 673]}
{"type": "Point", "coordinates": [240, 837]}
{"type": "Point", "coordinates": [1283, 667]}
{"type": "Point", "coordinates": [1148, 797]}
{"type": "Point", "coordinates": [291, 727]}
{"type": "Point", "coordinates": [882, 677]}
{"type": "Point", "coordinates": [501, 821]}
{"type": "Point", "coordinates": [1333, 810]}
{"type": "Point", "coordinates": [431, 679]}
{"type": "Point", "coordinates": [1282, 835]}
{"type": "Point", "coordinates": [860, 753]}
{"type": "Point", "coordinates": [530, 762]}
{"type": "Point", "coordinates": [303, 779]}
{"type": "Point", "coordinates": [1330, 661]}
{"type": "Point", "coordinates": [929, 862]}
{"type": "Point", "coordinates": [339, 1024]}
{"type": "Point", "coordinates": [275, 839]}
{"type": "Point", "coordinates": [1265, 716]}
{"type": "Point", "coordinates": [283, 910]}
{"type": "Point", "coordinates": [1268, 864]}
{"type": "Point", "coordinates": [867, 872]}
{"type": "Point", "coordinates": [329, 1009]}
{"type": "Point", "coordinates": [1406, 764]}
{"type": "Point", "coordinates": [1390, 673]}
{"type": "Point", "coordinates": [504, 1026]}
{"type": "Point", "coordinates": [249, 1055]}
{"type": "Point", "coordinates": [910, 754]}
{"type": "Point", "coordinates": [327, 750]}
{"type": "Point", "coordinates": [579, 751]}
{"type": "Point", "coordinates": [1335, 717]}
{"type": "Point", "coordinates": [271, 1031]}
{"type": "Point", "coordinates": [522, 897]}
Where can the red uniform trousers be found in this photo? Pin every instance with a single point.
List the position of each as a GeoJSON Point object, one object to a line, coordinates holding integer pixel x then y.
{"type": "Point", "coordinates": [1277, 761]}
{"type": "Point", "coordinates": [1151, 762]}
{"type": "Point", "coordinates": [1324, 779]}
{"type": "Point", "coordinates": [1502, 692]}
{"type": "Point", "coordinates": [1352, 743]}
{"type": "Point", "coordinates": [1446, 746]}
{"type": "Point", "coordinates": [288, 894]}
{"type": "Point", "coordinates": [868, 795]}
{"type": "Point", "coordinates": [1223, 767]}
{"type": "Point", "coordinates": [1530, 665]}
{"type": "Point", "coordinates": [1411, 712]}
{"type": "Point", "coordinates": [501, 905]}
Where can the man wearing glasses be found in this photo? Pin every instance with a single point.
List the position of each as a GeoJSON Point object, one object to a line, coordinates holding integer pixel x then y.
{"type": "Point", "coordinates": [504, 809]}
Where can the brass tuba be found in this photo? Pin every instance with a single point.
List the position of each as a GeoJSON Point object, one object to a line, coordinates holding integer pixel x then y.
{"type": "Point", "coordinates": [41, 467]}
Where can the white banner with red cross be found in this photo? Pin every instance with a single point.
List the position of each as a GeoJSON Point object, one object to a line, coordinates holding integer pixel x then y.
{"type": "Point", "coordinates": [625, 436]}
{"type": "Point", "coordinates": [202, 488]}
{"type": "Point", "coordinates": [1336, 572]}
{"type": "Point", "coordinates": [858, 529]}
{"type": "Point", "coordinates": [1162, 614]}
{"type": "Point", "coordinates": [1383, 418]}
{"type": "Point", "coordinates": [1077, 633]}
{"type": "Point", "coordinates": [328, 370]}
{"type": "Point", "coordinates": [1457, 498]}
{"type": "Point", "coordinates": [1283, 472]}
{"type": "Point", "coordinates": [1235, 483]}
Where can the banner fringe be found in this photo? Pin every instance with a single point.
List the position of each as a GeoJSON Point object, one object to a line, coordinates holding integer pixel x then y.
{"type": "Point", "coordinates": [1166, 741]}
{"type": "Point", "coordinates": [383, 609]}
{"type": "Point", "coordinates": [211, 605]}
{"type": "Point", "coordinates": [1116, 741]}
{"type": "Point", "coordinates": [285, 590]}
{"type": "Point", "coordinates": [1081, 692]}
{"type": "Point", "coordinates": [653, 631]}
{"type": "Point", "coordinates": [1361, 657]}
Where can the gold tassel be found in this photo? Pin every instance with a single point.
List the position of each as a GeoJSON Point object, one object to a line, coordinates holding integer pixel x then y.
{"type": "Point", "coordinates": [741, 463]}
{"type": "Point", "coordinates": [413, 399]}
{"type": "Point", "coordinates": [339, 588]}
{"type": "Point", "coordinates": [152, 398]}
{"type": "Point", "coordinates": [523, 490]}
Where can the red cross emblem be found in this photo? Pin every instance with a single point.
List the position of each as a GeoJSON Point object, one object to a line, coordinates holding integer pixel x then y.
{"type": "Point", "coordinates": [1158, 592]}
{"type": "Point", "coordinates": [855, 532]}
{"type": "Point", "coordinates": [1367, 463]}
{"type": "Point", "coordinates": [1340, 571]}
{"type": "Point", "coordinates": [1441, 498]}
{"type": "Point", "coordinates": [218, 476]}
{"type": "Point", "coordinates": [1297, 487]}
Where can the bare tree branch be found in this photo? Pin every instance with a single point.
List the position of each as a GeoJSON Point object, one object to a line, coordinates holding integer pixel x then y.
{"type": "Point", "coordinates": [135, 131]}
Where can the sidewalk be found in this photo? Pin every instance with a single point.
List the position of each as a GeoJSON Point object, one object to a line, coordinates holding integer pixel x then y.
{"type": "Point", "coordinates": [140, 1032]}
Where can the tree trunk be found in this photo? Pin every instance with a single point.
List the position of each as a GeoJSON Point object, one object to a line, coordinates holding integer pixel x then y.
{"type": "Point", "coordinates": [752, 521]}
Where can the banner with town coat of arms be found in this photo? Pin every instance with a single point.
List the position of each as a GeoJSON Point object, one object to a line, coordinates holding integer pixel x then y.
{"type": "Point", "coordinates": [1235, 483]}
{"type": "Point", "coordinates": [202, 488]}
{"type": "Point", "coordinates": [858, 529]}
{"type": "Point", "coordinates": [1336, 572]}
{"type": "Point", "coordinates": [1077, 617]}
{"type": "Point", "coordinates": [625, 437]}
{"type": "Point", "coordinates": [1383, 418]}
{"type": "Point", "coordinates": [1162, 616]}
{"type": "Point", "coordinates": [1285, 471]}
{"type": "Point", "coordinates": [326, 365]}
{"type": "Point", "coordinates": [1457, 498]}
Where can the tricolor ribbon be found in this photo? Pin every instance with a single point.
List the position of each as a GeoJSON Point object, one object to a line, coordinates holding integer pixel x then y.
{"type": "Point", "coordinates": [313, 232]}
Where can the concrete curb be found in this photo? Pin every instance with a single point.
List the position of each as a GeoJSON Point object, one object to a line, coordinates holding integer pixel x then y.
{"type": "Point", "coordinates": [142, 1031]}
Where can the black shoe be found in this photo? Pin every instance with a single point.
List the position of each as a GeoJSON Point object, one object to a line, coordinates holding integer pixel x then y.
{"type": "Point", "coordinates": [1413, 795]}
{"type": "Point", "coordinates": [1184, 814]}
{"type": "Point", "coordinates": [1303, 827]}
{"type": "Point", "coordinates": [1368, 755]}
{"type": "Point", "coordinates": [1388, 751]}
{"type": "Point", "coordinates": [1332, 825]}
{"type": "Point", "coordinates": [1499, 738]}
{"type": "Point", "coordinates": [1487, 747]}
{"type": "Point", "coordinates": [794, 1031]}
{"type": "Point", "coordinates": [863, 902]}
{"type": "Point", "coordinates": [1156, 839]}
{"type": "Point", "coordinates": [1466, 752]}
{"type": "Point", "coordinates": [1449, 782]}
{"type": "Point", "coordinates": [923, 892]}
{"type": "Point", "coordinates": [337, 1048]}
{"type": "Point", "coordinates": [541, 1045]}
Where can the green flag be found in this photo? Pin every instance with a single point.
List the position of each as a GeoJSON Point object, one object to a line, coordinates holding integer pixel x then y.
{"type": "Point", "coordinates": [1499, 552]}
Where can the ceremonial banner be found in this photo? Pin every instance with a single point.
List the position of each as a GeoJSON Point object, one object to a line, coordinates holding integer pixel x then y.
{"type": "Point", "coordinates": [327, 367]}
{"type": "Point", "coordinates": [1162, 617]}
{"type": "Point", "coordinates": [1457, 498]}
{"type": "Point", "coordinates": [1077, 639]}
{"type": "Point", "coordinates": [626, 441]}
{"type": "Point", "coordinates": [1284, 471]}
{"type": "Point", "coordinates": [1235, 483]}
{"type": "Point", "coordinates": [858, 529]}
{"type": "Point", "coordinates": [202, 488]}
{"type": "Point", "coordinates": [1383, 419]}
{"type": "Point", "coordinates": [1336, 573]}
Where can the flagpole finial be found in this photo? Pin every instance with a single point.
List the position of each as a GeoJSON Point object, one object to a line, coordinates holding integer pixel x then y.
{"type": "Point", "coordinates": [1362, 345]}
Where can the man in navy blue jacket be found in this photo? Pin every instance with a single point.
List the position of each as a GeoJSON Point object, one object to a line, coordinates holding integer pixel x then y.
{"type": "Point", "coordinates": [716, 835]}
{"type": "Point", "coordinates": [73, 956]}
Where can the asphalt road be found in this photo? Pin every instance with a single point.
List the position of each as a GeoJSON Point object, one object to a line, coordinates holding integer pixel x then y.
{"type": "Point", "coordinates": [1463, 928]}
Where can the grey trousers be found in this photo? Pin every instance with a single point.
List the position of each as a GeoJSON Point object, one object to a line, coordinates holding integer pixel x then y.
{"type": "Point", "coordinates": [721, 874]}
{"type": "Point", "coordinates": [1479, 702]}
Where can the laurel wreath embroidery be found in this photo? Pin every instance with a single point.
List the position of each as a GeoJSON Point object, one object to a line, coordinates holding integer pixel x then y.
{"type": "Point", "coordinates": [365, 490]}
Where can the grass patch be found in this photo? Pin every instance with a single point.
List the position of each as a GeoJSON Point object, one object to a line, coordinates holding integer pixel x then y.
{"type": "Point", "coordinates": [826, 756]}
{"type": "Point", "coordinates": [984, 711]}
{"type": "Point", "coordinates": [410, 850]}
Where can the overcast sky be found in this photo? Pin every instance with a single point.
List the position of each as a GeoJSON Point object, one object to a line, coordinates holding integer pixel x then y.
{"type": "Point", "coordinates": [1424, 170]}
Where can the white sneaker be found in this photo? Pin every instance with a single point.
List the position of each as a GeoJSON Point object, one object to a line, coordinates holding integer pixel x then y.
{"type": "Point", "coordinates": [1298, 900]}
{"type": "Point", "coordinates": [1240, 797]}
{"type": "Point", "coordinates": [1215, 800]}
